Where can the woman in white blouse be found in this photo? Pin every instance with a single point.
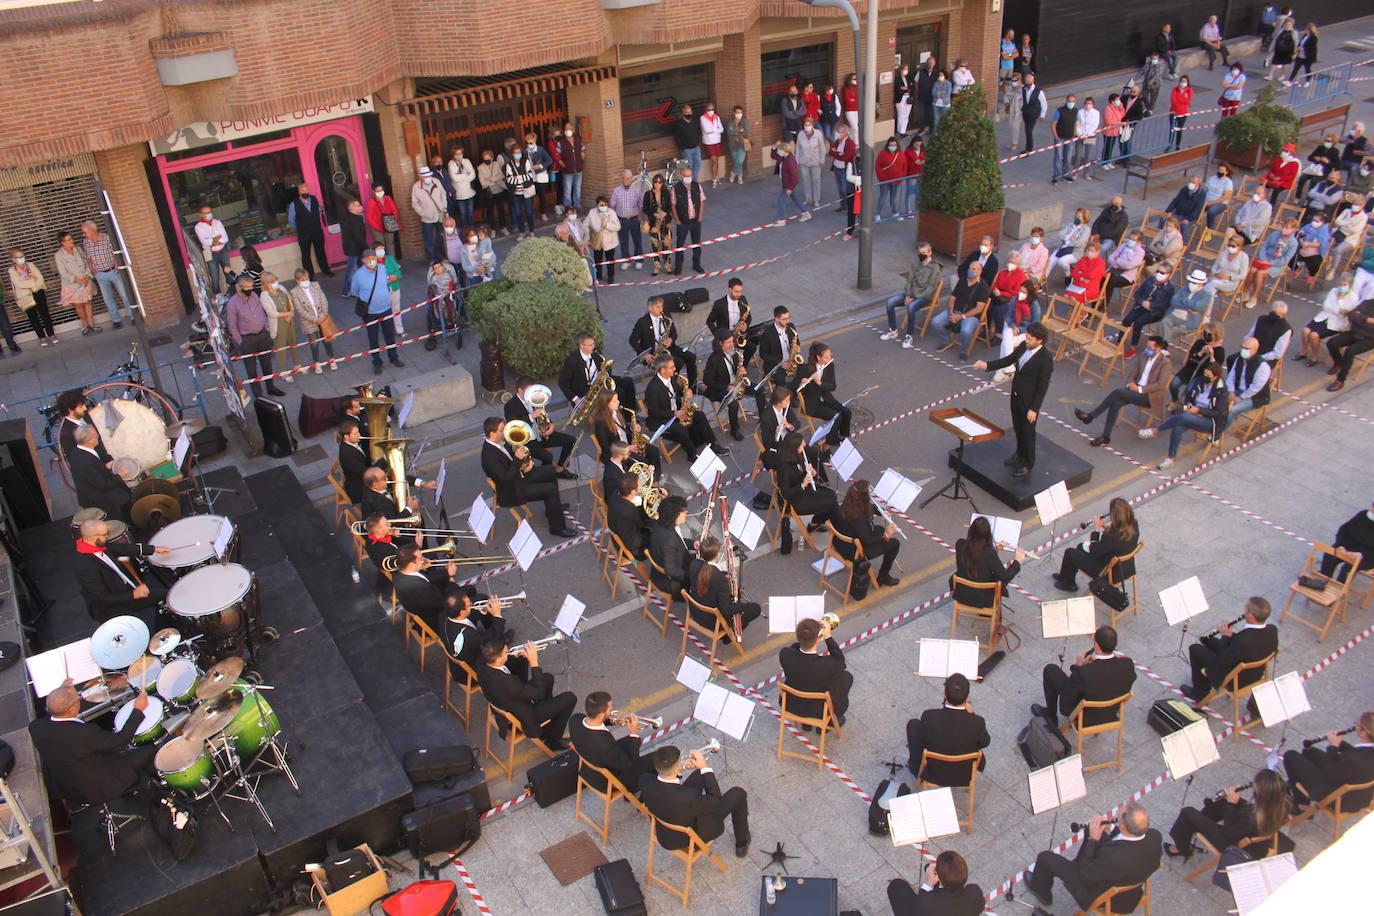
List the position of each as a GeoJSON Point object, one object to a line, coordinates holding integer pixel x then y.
{"type": "Point", "coordinates": [1072, 241]}
{"type": "Point", "coordinates": [1330, 320]}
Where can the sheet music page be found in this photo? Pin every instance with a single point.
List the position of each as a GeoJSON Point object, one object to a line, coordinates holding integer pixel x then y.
{"type": "Point", "coordinates": [693, 675]}
{"type": "Point", "coordinates": [47, 670]}
{"type": "Point", "coordinates": [183, 445]}
{"type": "Point", "coordinates": [658, 433]}
{"type": "Point", "coordinates": [963, 658]}
{"type": "Point", "coordinates": [1175, 607]}
{"type": "Point", "coordinates": [1178, 754]}
{"type": "Point", "coordinates": [1082, 615]}
{"type": "Point", "coordinates": [782, 614]}
{"type": "Point", "coordinates": [734, 718]}
{"type": "Point", "coordinates": [1054, 618]}
{"type": "Point", "coordinates": [569, 615]}
{"type": "Point", "coordinates": [746, 525]}
{"type": "Point", "coordinates": [1004, 530]}
{"type": "Point", "coordinates": [1270, 703]}
{"type": "Point", "coordinates": [481, 518]}
{"type": "Point", "coordinates": [846, 459]}
{"type": "Point", "coordinates": [938, 812]}
{"type": "Point", "coordinates": [1293, 694]}
{"type": "Point", "coordinates": [1044, 791]}
{"type": "Point", "coordinates": [706, 467]}
{"type": "Point", "coordinates": [905, 821]}
{"type": "Point", "coordinates": [525, 545]}
{"type": "Point", "coordinates": [222, 538]}
{"type": "Point", "coordinates": [1191, 588]}
{"type": "Point", "coordinates": [968, 426]}
{"type": "Point", "coordinates": [710, 703]}
{"type": "Point", "coordinates": [1278, 869]}
{"type": "Point", "coordinates": [896, 491]}
{"type": "Point", "coordinates": [404, 413]}
{"type": "Point", "coordinates": [934, 660]}
{"type": "Point", "coordinates": [1204, 746]}
{"type": "Point", "coordinates": [822, 431]}
{"type": "Point", "coordinates": [1253, 882]}
{"type": "Point", "coordinates": [1053, 503]}
{"type": "Point", "coordinates": [1069, 774]}
{"type": "Point", "coordinates": [810, 607]}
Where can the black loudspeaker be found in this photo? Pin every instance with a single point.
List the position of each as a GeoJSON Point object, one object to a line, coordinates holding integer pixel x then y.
{"type": "Point", "coordinates": [20, 475]}
{"type": "Point", "coordinates": [277, 438]}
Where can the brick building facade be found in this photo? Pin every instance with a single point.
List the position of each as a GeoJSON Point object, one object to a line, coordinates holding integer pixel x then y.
{"type": "Point", "coordinates": [235, 100]}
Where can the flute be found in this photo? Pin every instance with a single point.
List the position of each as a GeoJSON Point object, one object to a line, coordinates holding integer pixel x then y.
{"type": "Point", "coordinates": [1003, 545]}
{"type": "Point", "coordinates": [1311, 741]}
{"type": "Point", "coordinates": [1216, 631]}
{"type": "Point", "coordinates": [1218, 796]}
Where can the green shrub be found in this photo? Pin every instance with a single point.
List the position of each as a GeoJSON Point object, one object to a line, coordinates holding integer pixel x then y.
{"type": "Point", "coordinates": [962, 176]}
{"type": "Point", "coordinates": [480, 298]}
{"type": "Point", "coordinates": [535, 324]}
{"type": "Point", "coordinates": [547, 259]}
{"type": "Point", "coordinates": [1265, 124]}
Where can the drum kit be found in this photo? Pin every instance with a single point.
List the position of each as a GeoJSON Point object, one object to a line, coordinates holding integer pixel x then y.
{"type": "Point", "coordinates": [215, 731]}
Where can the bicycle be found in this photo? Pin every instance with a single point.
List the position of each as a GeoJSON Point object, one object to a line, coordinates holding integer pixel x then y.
{"type": "Point", "coordinates": [671, 171]}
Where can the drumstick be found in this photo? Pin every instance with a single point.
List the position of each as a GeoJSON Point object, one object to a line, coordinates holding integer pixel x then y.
{"type": "Point", "coordinates": [184, 546]}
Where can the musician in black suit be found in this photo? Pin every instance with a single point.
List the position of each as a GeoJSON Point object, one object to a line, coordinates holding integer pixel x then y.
{"type": "Point", "coordinates": [858, 518]}
{"type": "Point", "coordinates": [723, 366]}
{"type": "Point", "coordinates": [775, 422]}
{"type": "Point", "coordinates": [815, 385]}
{"type": "Point", "coordinates": [351, 408]}
{"type": "Point", "coordinates": [541, 447]}
{"type": "Point", "coordinates": [976, 559]}
{"type": "Point", "coordinates": [516, 486]}
{"type": "Point", "coordinates": [653, 327]}
{"type": "Point", "coordinates": [464, 629]}
{"type": "Point", "coordinates": [803, 484]}
{"type": "Point", "coordinates": [805, 669]}
{"type": "Point", "coordinates": [74, 407]}
{"type": "Point", "coordinates": [581, 368]}
{"type": "Point", "coordinates": [694, 802]}
{"type": "Point", "coordinates": [591, 738]}
{"type": "Point", "coordinates": [1213, 658]}
{"type": "Point", "coordinates": [1100, 673]}
{"type": "Point", "coordinates": [353, 459]}
{"type": "Point", "coordinates": [1115, 535]}
{"type": "Point", "coordinates": [382, 541]}
{"type": "Point", "coordinates": [377, 499]}
{"type": "Point", "coordinates": [97, 486]}
{"type": "Point", "coordinates": [1316, 772]}
{"type": "Point", "coordinates": [1225, 818]}
{"type": "Point", "coordinates": [421, 585]}
{"type": "Point", "coordinates": [616, 467]}
{"type": "Point", "coordinates": [665, 398]}
{"type": "Point", "coordinates": [84, 763]}
{"type": "Point", "coordinates": [945, 891]}
{"type": "Point", "coordinates": [1123, 859]}
{"type": "Point", "coordinates": [952, 729]}
{"type": "Point", "coordinates": [668, 548]}
{"type": "Point", "coordinates": [614, 423]}
{"type": "Point", "coordinates": [731, 313]}
{"type": "Point", "coordinates": [625, 516]}
{"type": "Point", "coordinates": [1034, 366]}
{"type": "Point", "coordinates": [111, 587]}
{"type": "Point", "coordinates": [530, 699]}
{"type": "Point", "coordinates": [711, 588]}
{"type": "Point", "coordinates": [776, 341]}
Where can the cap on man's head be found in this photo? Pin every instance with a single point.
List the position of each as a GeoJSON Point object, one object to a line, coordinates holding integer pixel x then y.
{"type": "Point", "coordinates": [424, 171]}
{"type": "Point", "coordinates": [1198, 276]}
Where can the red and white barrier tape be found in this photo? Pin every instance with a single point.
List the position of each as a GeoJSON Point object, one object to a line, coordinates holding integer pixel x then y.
{"type": "Point", "coordinates": [1327, 406]}
{"type": "Point", "coordinates": [332, 337]}
{"type": "Point", "coordinates": [472, 887]}
{"type": "Point", "coordinates": [722, 271]}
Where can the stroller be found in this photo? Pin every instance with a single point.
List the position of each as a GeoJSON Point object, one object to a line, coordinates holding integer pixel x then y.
{"type": "Point", "coordinates": [447, 313]}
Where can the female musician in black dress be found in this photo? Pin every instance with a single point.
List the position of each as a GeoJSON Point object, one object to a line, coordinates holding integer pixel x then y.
{"type": "Point", "coordinates": [857, 519]}
{"type": "Point", "coordinates": [1116, 535]}
{"type": "Point", "coordinates": [802, 482]}
{"type": "Point", "coordinates": [976, 559]}
{"type": "Point", "coordinates": [710, 587]}
{"type": "Point", "coordinates": [1225, 819]}
{"type": "Point", "coordinates": [613, 422]}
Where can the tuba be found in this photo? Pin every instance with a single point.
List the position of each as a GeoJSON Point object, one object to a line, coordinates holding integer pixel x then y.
{"type": "Point", "coordinates": [649, 495]}
{"type": "Point", "coordinates": [538, 397]}
{"type": "Point", "coordinates": [378, 411]}
{"type": "Point", "coordinates": [603, 382]}
{"type": "Point", "coordinates": [393, 452]}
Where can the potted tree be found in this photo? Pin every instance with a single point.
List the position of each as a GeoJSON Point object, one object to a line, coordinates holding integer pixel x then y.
{"type": "Point", "coordinates": [1251, 138]}
{"type": "Point", "coordinates": [961, 190]}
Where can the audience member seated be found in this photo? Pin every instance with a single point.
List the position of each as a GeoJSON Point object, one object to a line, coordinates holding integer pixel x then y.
{"type": "Point", "coordinates": [1085, 282]}
{"type": "Point", "coordinates": [1166, 248]}
{"type": "Point", "coordinates": [1247, 379]}
{"type": "Point", "coordinates": [1148, 389]}
{"type": "Point", "coordinates": [1149, 305]}
{"type": "Point", "coordinates": [1333, 318]}
{"type": "Point", "coordinates": [1270, 261]}
{"type": "Point", "coordinates": [1252, 219]}
{"type": "Point", "coordinates": [1186, 206]}
{"type": "Point", "coordinates": [1035, 256]}
{"type": "Point", "coordinates": [1348, 344]}
{"type": "Point", "coordinates": [1206, 348]}
{"type": "Point", "coordinates": [1124, 263]}
{"type": "Point", "coordinates": [1356, 535]}
{"type": "Point", "coordinates": [1190, 306]}
{"type": "Point", "coordinates": [1205, 408]}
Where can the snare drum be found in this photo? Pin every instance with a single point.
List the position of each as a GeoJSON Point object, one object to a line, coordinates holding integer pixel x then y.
{"type": "Point", "coordinates": [118, 532]}
{"type": "Point", "coordinates": [178, 680]}
{"type": "Point", "coordinates": [82, 516]}
{"type": "Point", "coordinates": [150, 729]}
{"type": "Point", "coordinates": [200, 530]}
{"type": "Point", "coordinates": [185, 765]}
{"type": "Point", "coordinates": [214, 598]}
{"type": "Point", "coordinates": [254, 723]}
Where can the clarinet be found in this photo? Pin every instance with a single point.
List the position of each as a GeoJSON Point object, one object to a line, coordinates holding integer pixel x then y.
{"type": "Point", "coordinates": [1311, 741]}
{"type": "Point", "coordinates": [731, 571]}
{"type": "Point", "coordinates": [1218, 796]}
{"type": "Point", "coordinates": [1074, 826]}
{"type": "Point", "coordinates": [1216, 631]}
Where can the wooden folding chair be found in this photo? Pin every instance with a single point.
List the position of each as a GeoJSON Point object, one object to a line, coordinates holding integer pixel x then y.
{"type": "Point", "coordinates": [1333, 805]}
{"type": "Point", "coordinates": [936, 303]}
{"type": "Point", "coordinates": [651, 590]}
{"type": "Point", "coordinates": [1104, 904]}
{"type": "Point", "coordinates": [1112, 573]}
{"type": "Point", "coordinates": [1259, 847]}
{"type": "Point", "coordinates": [1247, 186]}
{"type": "Point", "coordinates": [343, 506]}
{"type": "Point", "coordinates": [832, 550]}
{"type": "Point", "coordinates": [696, 848]}
{"type": "Point", "coordinates": [424, 636]}
{"type": "Point", "coordinates": [468, 689]}
{"type": "Point", "coordinates": [1076, 722]}
{"type": "Point", "coordinates": [1364, 577]}
{"type": "Point", "coordinates": [1210, 245]}
{"type": "Point", "coordinates": [1360, 365]}
{"type": "Point", "coordinates": [787, 515]}
{"type": "Point", "coordinates": [1109, 354]}
{"type": "Point", "coordinates": [1081, 330]}
{"type": "Point", "coordinates": [518, 513]}
{"type": "Point", "coordinates": [971, 759]}
{"type": "Point", "coordinates": [514, 735]}
{"type": "Point", "coordinates": [613, 790]}
{"type": "Point", "coordinates": [715, 633]}
{"type": "Point", "coordinates": [1150, 224]}
{"type": "Point", "coordinates": [600, 522]}
{"type": "Point", "coordinates": [1058, 316]}
{"type": "Point", "coordinates": [1255, 421]}
{"type": "Point", "coordinates": [1334, 596]}
{"type": "Point", "coordinates": [802, 416]}
{"type": "Point", "coordinates": [991, 615]}
{"type": "Point", "coordinates": [1231, 686]}
{"type": "Point", "coordinates": [823, 724]}
{"type": "Point", "coordinates": [1126, 292]}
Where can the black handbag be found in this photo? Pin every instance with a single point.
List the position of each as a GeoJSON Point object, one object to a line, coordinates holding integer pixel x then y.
{"type": "Point", "coordinates": [619, 890]}
{"type": "Point", "coordinates": [1113, 597]}
{"type": "Point", "coordinates": [444, 764]}
{"type": "Point", "coordinates": [1231, 855]}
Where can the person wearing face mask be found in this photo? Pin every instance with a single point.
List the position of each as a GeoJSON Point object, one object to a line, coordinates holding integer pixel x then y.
{"type": "Point", "coordinates": [281, 323]}
{"type": "Point", "coordinates": [849, 103]}
{"type": "Point", "coordinates": [832, 110]}
{"type": "Point", "coordinates": [1180, 104]}
{"type": "Point", "coordinates": [430, 203]}
{"type": "Point", "coordinates": [1063, 126]}
{"type": "Point", "coordinates": [1073, 240]}
{"type": "Point", "coordinates": [941, 97]}
{"type": "Point", "coordinates": [1314, 241]}
{"type": "Point", "coordinates": [789, 173]}
{"type": "Point", "coordinates": [31, 295]}
{"type": "Point", "coordinates": [687, 136]}
{"type": "Point", "coordinates": [1085, 282]}
{"type": "Point", "coordinates": [1247, 380]}
{"type": "Point", "coordinates": [603, 234]}
{"type": "Point", "coordinates": [1150, 79]}
{"type": "Point", "coordinates": [1322, 196]}
{"type": "Point", "coordinates": [1323, 159]}
{"type": "Point", "coordinates": [1347, 345]}
{"type": "Point", "coordinates": [1148, 389]}
{"type": "Point", "coordinates": [986, 256]}
{"type": "Point", "coordinates": [248, 329]}
{"type": "Point", "coordinates": [793, 112]}
{"type": "Point", "coordinates": [1346, 235]}
{"type": "Point", "coordinates": [1210, 36]}
{"type": "Point", "coordinates": [1253, 217]}
{"type": "Point", "coordinates": [843, 152]}
{"type": "Point", "coordinates": [374, 301]}
{"type": "Point", "coordinates": [572, 157]}
{"type": "Point", "coordinates": [492, 184]}
{"type": "Point", "coordinates": [1124, 263]}
{"type": "Point", "coordinates": [307, 217]}
{"type": "Point", "coordinates": [1270, 261]}
{"type": "Point", "coordinates": [462, 177]}
{"type": "Point", "coordinates": [577, 231]}
{"type": "Point", "coordinates": [1111, 224]}
{"type": "Point", "coordinates": [904, 90]}
{"type": "Point", "coordinates": [214, 243]}
{"type": "Point", "coordinates": [309, 302]}
{"type": "Point", "coordinates": [1187, 206]}
{"type": "Point", "coordinates": [1149, 305]}
{"type": "Point", "coordinates": [1035, 256]}
{"type": "Point", "coordinates": [1232, 90]}
{"type": "Point", "coordinates": [1364, 272]}
{"type": "Point", "coordinates": [1206, 408]}
{"type": "Point", "coordinates": [922, 286]}
{"type": "Point", "coordinates": [737, 137]}
{"type": "Point", "coordinates": [1085, 139]}
{"type": "Point", "coordinates": [810, 154]}
{"type": "Point", "coordinates": [1284, 50]}
{"type": "Point", "coordinates": [1207, 347]}
{"type": "Point", "coordinates": [353, 237]}
{"type": "Point", "coordinates": [1166, 248]}
{"type": "Point", "coordinates": [472, 269]}
{"type": "Point", "coordinates": [964, 313]}
{"type": "Point", "coordinates": [890, 167]}
{"type": "Point", "coordinates": [1034, 108]}
{"type": "Point", "coordinates": [1009, 282]}
{"type": "Point", "coordinates": [962, 77]}
{"type": "Point", "coordinates": [515, 169]}
{"type": "Point", "coordinates": [1217, 197]}
{"type": "Point", "coordinates": [915, 162]}
{"type": "Point", "coordinates": [1112, 117]}
{"type": "Point", "coordinates": [713, 142]}
{"type": "Point", "coordinates": [1282, 174]}
{"type": "Point", "coordinates": [1191, 303]}
{"type": "Point", "coordinates": [811, 100]}
{"type": "Point", "coordinates": [382, 218]}
{"type": "Point", "coordinates": [1009, 107]}
{"type": "Point", "coordinates": [628, 204]}
{"type": "Point", "coordinates": [1273, 332]}
{"type": "Point", "coordinates": [542, 165]}
{"type": "Point", "coordinates": [1333, 318]}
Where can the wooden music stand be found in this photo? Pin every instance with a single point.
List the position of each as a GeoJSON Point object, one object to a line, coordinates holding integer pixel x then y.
{"type": "Point", "coordinates": [947, 419]}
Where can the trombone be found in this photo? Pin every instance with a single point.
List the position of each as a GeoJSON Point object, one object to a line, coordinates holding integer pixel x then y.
{"type": "Point", "coordinates": [360, 528]}
{"type": "Point", "coordinates": [712, 747]}
{"type": "Point", "coordinates": [389, 564]}
{"type": "Point", "coordinates": [623, 718]}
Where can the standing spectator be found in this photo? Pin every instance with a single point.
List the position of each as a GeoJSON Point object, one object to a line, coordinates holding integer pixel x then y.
{"type": "Point", "coordinates": [811, 148]}
{"type": "Point", "coordinates": [552, 147]}
{"type": "Point", "coordinates": [1010, 105]}
{"type": "Point", "coordinates": [842, 150]}
{"type": "Point", "coordinates": [1034, 107]}
{"type": "Point", "coordinates": [915, 167]}
{"type": "Point", "coordinates": [1305, 55]}
{"type": "Point", "coordinates": [214, 243]}
{"type": "Point", "coordinates": [473, 267]}
{"type": "Point", "coordinates": [252, 266]}
{"type": "Point", "coordinates": [387, 262]}
{"type": "Point", "coordinates": [793, 113]}
{"type": "Point", "coordinates": [1210, 36]}
{"type": "Point", "coordinates": [577, 231]}
{"type": "Point", "coordinates": [1219, 191]}
{"type": "Point", "coordinates": [430, 203]}
{"type": "Point", "coordinates": [453, 244]}
{"type": "Point", "coordinates": [541, 164]}
{"type": "Point", "coordinates": [383, 218]}
{"type": "Point", "coordinates": [572, 158]}
{"type": "Point", "coordinates": [1165, 48]}
{"type": "Point", "coordinates": [1035, 256]}
{"type": "Point", "coordinates": [1111, 223]}
{"type": "Point", "coordinates": [849, 101]}
{"type": "Point", "coordinates": [249, 331]}
{"type": "Point", "coordinates": [1282, 174]}
{"type": "Point", "coordinates": [462, 177]}
{"type": "Point", "coordinates": [1006, 61]}
{"type": "Point", "coordinates": [789, 174]}
{"type": "Point", "coordinates": [1320, 163]}
{"type": "Point", "coordinates": [1025, 58]}
{"type": "Point", "coordinates": [1151, 80]}
{"type": "Point", "coordinates": [628, 205]}
{"type": "Point", "coordinates": [1085, 142]}
{"type": "Point", "coordinates": [78, 286]}
{"type": "Point", "coordinates": [603, 234]}
{"type": "Point", "coordinates": [890, 167]}
{"type": "Point", "coordinates": [307, 217]}
{"type": "Point", "coordinates": [904, 92]}
{"type": "Point", "coordinates": [310, 303]}
{"type": "Point", "coordinates": [737, 135]}
{"type": "Point", "coordinates": [687, 135]}
{"type": "Point", "coordinates": [811, 100]}
{"type": "Point", "coordinates": [440, 171]}
{"type": "Point", "coordinates": [1112, 116]}
{"type": "Point", "coordinates": [713, 141]}
{"type": "Point", "coordinates": [688, 202]}
{"type": "Point", "coordinates": [962, 77]}
{"type": "Point", "coordinates": [353, 237]}
{"type": "Point", "coordinates": [1063, 126]}
{"type": "Point", "coordinates": [1268, 22]}
{"type": "Point", "coordinates": [1180, 103]}
{"type": "Point", "coordinates": [658, 212]}
{"type": "Point", "coordinates": [941, 97]}
{"type": "Point", "coordinates": [1285, 49]}
{"type": "Point", "coordinates": [515, 169]}
{"type": "Point", "coordinates": [1187, 205]}
{"type": "Point", "coordinates": [281, 322]}
{"type": "Point", "coordinates": [925, 92]}
{"type": "Point", "coordinates": [100, 255]}
{"type": "Point", "coordinates": [31, 295]}
{"type": "Point", "coordinates": [1072, 241]}
{"type": "Point", "coordinates": [492, 184]}
{"type": "Point", "coordinates": [370, 288]}
{"type": "Point", "coordinates": [832, 109]}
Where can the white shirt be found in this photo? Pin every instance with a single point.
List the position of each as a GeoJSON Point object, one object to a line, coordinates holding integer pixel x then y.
{"type": "Point", "coordinates": [732, 310]}
{"type": "Point", "coordinates": [589, 367]}
{"type": "Point", "coordinates": [1335, 308]}
{"type": "Point", "coordinates": [657, 322]}
{"type": "Point", "coordinates": [782, 418]}
{"type": "Point", "coordinates": [598, 727]}
{"type": "Point", "coordinates": [1145, 372]}
{"type": "Point", "coordinates": [209, 232]}
{"type": "Point", "coordinates": [672, 391]}
{"type": "Point", "coordinates": [782, 336]}
{"type": "Point", "coordinates": [1089, 119]}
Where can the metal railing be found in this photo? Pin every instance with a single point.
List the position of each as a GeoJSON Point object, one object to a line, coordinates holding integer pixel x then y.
{"type": "Point", "coordinates": [1321, 85]}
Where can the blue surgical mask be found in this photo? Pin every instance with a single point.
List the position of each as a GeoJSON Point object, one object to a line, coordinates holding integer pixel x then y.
{"type": "Point", "coordinates": [1130, 243]}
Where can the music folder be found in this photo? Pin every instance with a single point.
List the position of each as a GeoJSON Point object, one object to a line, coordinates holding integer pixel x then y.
{"type": "Point", "coordinates": [1053, 503]}
{"type": "Point", "coordinates": [1189, 749]}
{"type": "Point", "coordinates": [746, 525]}
{"type": "Point", "coordinates": [706, 468]}
{"type": "Point", "coordinates": [1183, 601]}
{"type": "Point", "coordinates": [725, 710]}
{"type": "Point", "coordinates": [1281, 699]}
{"type": "Point", "coordinates": [1253, 882]}
{"type": "Point", "coordinates": [1057, 784]}
{"type": "Point", "coordinates": [1068, 617]}
{"type": "Point", "coordinates": [47, 670]}
{"type": "Point", "coordinates": [921, 816]}
{"type": "Point", "coordinates": [658, 433]}
{"type": "Point", "coordinates": [822, 431]}
{"type": "Point", "coordinates": [943, 657]}
{"type": "Point", "coordinates": [784, 613]}
{"type": "Point", "coordinates": [569, 615]}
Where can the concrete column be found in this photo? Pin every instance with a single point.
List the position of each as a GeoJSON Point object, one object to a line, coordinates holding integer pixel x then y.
{"type": "Point", "coordinates": [595, 108]}
{"type": "Point", "coordinates": [402, 162]}
{"type": "Point", "coordinates": [123, 176]}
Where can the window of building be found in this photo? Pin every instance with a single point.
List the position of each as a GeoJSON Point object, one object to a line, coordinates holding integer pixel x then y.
{"type": "Point", "coordinates": [650, 102]}
{"type": "Point", "coordinates": [810, 63]}
{"type": "Point", "coordinates": [249, 195]}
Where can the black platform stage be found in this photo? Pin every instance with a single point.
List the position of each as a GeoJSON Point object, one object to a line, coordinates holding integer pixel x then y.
{"type": "Point", "coordinates": [349, 696]}
{"type": "Point", "coordinates": [983, 468]}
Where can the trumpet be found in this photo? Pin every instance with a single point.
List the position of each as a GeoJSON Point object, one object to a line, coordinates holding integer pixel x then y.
{"type": "Point", "coordinates": [712, 747]}
{"type": "Point", "coordinates": [1311, 741]}
{"type": "Point", "coordinates": [831, 619]}
{"type": "Point", "coordinates": [1074, 827]}
{"type": "Point", "coordinates": [1218, 796]}
{"type": "Point", "coordinates": [1216, 631]}
{"type": "Point", "coordinates": [623, 718]}
{"type": "Point", "coordinates": [517, 597]}
{"type": "Point", "coordinates": [547, 641]}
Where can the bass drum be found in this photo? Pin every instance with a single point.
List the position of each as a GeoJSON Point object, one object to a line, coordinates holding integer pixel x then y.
{"type": "Point", "coordinates": [185, 765]}
{"type": "Point", "coordinates": [215, 599]}
{"type": "Point", "coordinates": [131, 430]}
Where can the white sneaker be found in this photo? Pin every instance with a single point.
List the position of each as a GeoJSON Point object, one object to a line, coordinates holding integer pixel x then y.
{"type": "Point", "coordinates": [333, 366]}
{"type": "Point", "coordinates": [288, 377]}
{"type": "Point", "coordinates": [888, 335]}
{"type": "Point", "coordinates": [908, 343]}
{"type": "Point", "coordinates": [1107, 167]}
{"type": "Point", "coordinates": [1146, 433]}
{"type": "Point", "coordinates": [1165, 464]}
{"type": "Point", "coordinates": [319, 370]}
{"type": "Point", "coordinates": [804, 217]}
{"type": "Point", "coordinates": [776, 223]}
{"type": "Point", "coordinates": [639, 265]}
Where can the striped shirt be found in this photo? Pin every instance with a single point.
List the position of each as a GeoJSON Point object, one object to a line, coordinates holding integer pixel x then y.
{"type": "Point", "coordinates": [99, 252]}
{"type": "Point", "coordinates": [627, 201]}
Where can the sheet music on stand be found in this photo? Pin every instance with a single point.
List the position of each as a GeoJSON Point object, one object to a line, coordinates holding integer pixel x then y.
{"type": "Point", "coordinates": [439, 482]}
{"type": "Point", "coordinates": [181, 448]}
{"type": "Point", "coordinates": [569, 616]}
{"type": "Point", "coordinates": [693, 675]}
{"type": "Point", "coordinates": [731, 713]}
{"type": "Point", "coordinates": [968, 426]}
{"type": "Point", "coordinates": [1053, 503]}
{"type": "Point", "coordinates": [706, 468]}
{"type": "Point", "coordinates": [846, 459]}
{"type": "Point", "coordinates": [525, 545]}
{"type": "Point", "coordinates": [1068, 617]}
{"type": "Point", "coordinates": [1183, 601]}
{"type": "Point", "coordinates": [1057, 784]}
{"type": "Point", "coordinates": [785, 612]}
{"type": "Point", "coordinates": [823, 430]}
{"type": "Point", "coordinates": [481, 518]}
{"type": "Point", "coordinates": [1281, 699]}
{"type": "Point", "coordinates": [921, 816]}
{"type": "Point", "coordinates": [222, 538]}
{"type": "Point", "coordinates": [47, 670]}
{"type": "Point", "coordinates": [943, 657]}
{"type": "Point", "coordinates": [1253, 882]}
{"type": "Point", "coordinates": [403, 414]}
{"type": "Point", "coordinates": [658, 433]}
{"type": "Point", "coordinates": [896, 491]}
{"type": "Point", "coordinates": [1189, 749]}
{"type": "Point", "coordinates": [746, 525]}
{"type": "Point", "coordinates": [1004, 530]}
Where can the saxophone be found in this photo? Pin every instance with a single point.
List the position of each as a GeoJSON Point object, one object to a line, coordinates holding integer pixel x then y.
{"type": "Point", "coordinates": [661, 346]}
{"type": "Point", "coordinates": [689, 404]}
{"type": "Point", "coordinates": [639, 440]}
{"type": "Point", "coordinates": [795, 358]}
{"type": "Point", "coordinates": [741, 371]}
{"type": "Point", "coordinates": [602, 383]}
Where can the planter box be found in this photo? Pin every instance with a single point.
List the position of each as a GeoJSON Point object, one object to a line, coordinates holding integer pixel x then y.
{"type": "Point", "coordinates": [957, 237]}
{"type": "Point", "coordinates": [1251, 159]}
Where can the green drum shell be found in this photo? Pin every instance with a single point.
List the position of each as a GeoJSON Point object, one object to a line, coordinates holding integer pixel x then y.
{"type": "Point", "coordinates": [193, 778]}
{"type": "Point", "coordinates": [253, 724]}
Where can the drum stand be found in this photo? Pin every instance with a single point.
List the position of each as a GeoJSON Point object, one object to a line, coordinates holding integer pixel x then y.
{"type": "Point", "coordinates": [238, 776]}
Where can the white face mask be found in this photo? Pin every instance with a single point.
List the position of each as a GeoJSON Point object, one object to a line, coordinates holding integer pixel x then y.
{"type": "Point", "coordinates": [1021, 295]}
{"type": "Point", "coordinates": [738, 115]}
{"type": "Point", "coordinates": [1035, 240]}
{"type": "Point", "coordinates": [20, 260]}
{"type": "Point", "coordinates": [1195, 286]}
{"type": "Point", "coordinates": [303, 284]}
{"type": "Point", "coordinates": [567, 133]}
{"type": "Point", "coordinates": [601, 207]}
{"type": "Point", "coordinates": [450, 230]}
{"type": "Point", "coordinates": [1161, 277]}
{"type": "Point", "coordinates": [984, 249]}
{"type": "Point", "coordinates": [1258, 198]}
{"type": "Point", "coordinates": [381, 253]}
{"type": "Point", "coordinates": [207, 216]}
{"type": "Point", "coordinates": [379, 194]}
{"type": "Point", "coordinates": [1246, 353]}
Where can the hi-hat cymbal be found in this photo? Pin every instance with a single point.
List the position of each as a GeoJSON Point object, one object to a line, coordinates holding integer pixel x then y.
{"type": "Point", "coordinates": [151, 485]}
{"type": "Point", "coordinates": [219, 678]}
{"type": "Point", "coordinates": [192, 426]}
{"type": "Point", "coordinates": [155, 504]}
{"type": "Point", "coordinates": [142, 668]}
{"type": "Point", "coordinates": [164, 641]}
{"type": "Point", "coordinates": [119, 642]}
{"type": "Point", "coordinates": [210, 717]}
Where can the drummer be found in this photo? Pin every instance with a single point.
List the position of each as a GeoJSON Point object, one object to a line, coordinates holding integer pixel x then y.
{"type": "Point", "coordinates": [110, 587]}
{"type": "Point", "coordinates": [74, 407]}
{"type": "Point", "coordinates": [96, 484]}
{"type": "Point", "coordinates": [86, 764]}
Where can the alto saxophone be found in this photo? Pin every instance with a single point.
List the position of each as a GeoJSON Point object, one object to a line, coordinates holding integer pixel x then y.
{"type": "Point", "coordinates": [795, 358]}
{"type": "Point", "coordinates": [689, 404]}
{"type": "Point", "coordinates": [639, 440]}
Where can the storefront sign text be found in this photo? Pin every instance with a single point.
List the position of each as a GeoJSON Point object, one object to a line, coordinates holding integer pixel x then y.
{"type": "Point", "coordinates": [209, 133]}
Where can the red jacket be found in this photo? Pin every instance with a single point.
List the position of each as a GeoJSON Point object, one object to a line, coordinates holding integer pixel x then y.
{"type": "Point", "coordinates": [849, 98]}
{"type": "Point", "coordinates": [890, 166]}
{"type": "Point", "coordinates": [571, 153]}
{"type": "Point", "coordinates": [915, 161]}
{"type": "Point", "coordinates": [812, 101]}
{"type": "Point", "coordinates": [843, 150]}
{"type": "Point", "coordinates": [1087, 273]}
{"type": "Point", "coordinates": [1281, 174]}
{"type": "Point", "coordinates": [1008, 282]}
{"type": "Point", "coordinates": [372, 212]}
{"type": "Point", "coordinates": [1181, 100]}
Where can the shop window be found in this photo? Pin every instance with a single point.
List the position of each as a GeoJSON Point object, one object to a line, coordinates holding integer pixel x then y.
{"type": "Point", "coordinates": [650, 102]}
{"type": "Point", "coordinates": [249, 195]}
{"type": "Point", "coordinates": [810, 63]}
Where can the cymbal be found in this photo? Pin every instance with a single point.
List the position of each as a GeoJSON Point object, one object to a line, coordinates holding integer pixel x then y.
{"type": "Point", "coordinates": [155, 485]}
{"type": "Point", "coordinates": [219, 678]}
{"type": "Point", "coordinates": [192, 426]}
{"type": "Point", "coordinates": [155, 503]}
{"type": "Point", "coordinates": [211, 716]}
{"type": "Point", "coordinates": [164, 641]}
{"type": "Point", "coordinates": [118, 642]}
{"type": "Point", "coordinates": [142, 667]}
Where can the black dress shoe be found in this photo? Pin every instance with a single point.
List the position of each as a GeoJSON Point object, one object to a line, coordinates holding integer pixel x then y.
{"type": "Point", "coordinates": [1174, 852]}
{"type": "Point", "coordinates": [1100, 441]}
{"type": "Point", "coordinates": [742, 848]}
{"type": "Point", "coordinates": [1046, 899]}
{"type": "Point", "coordinates": [737, 435]}
{"type": "Point", "coordinates": [275, 391]}
{"type": "Point", "coordinates": [1022, 471]}
{"type": "Point", "coordinates": [1042, 712]}
{"type": "Point", "coordinates": [1014, 459]}
{"type": "Point", "coordinates": [558, 745]}
{"type": "Point", "coordinates": [720, 449]}
{"type": "Point", "coordinates": [1083, 416]}
{"type": "Point", "coordinates": [566, 475]}
{"type": "Point", "coordinates": [398, 364]}
{"type": "Point", "coordinates": [889, 581]}
{"type": "Point", "coordinates": [563, 532]}
{"type": "Point", "coordinates": [1065, 586]}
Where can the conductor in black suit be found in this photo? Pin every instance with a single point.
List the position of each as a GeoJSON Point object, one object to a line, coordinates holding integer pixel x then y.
{"type": "Point", "coordinates": [731, 313]}
{"type": "Point", "coordinates": [421, 585]}
{"type": "Point", "coordinates": [516, 486]}
{"type": "Point", "coordinates": [654, 326]}
{"type": "Point", "coordinates": [1034, 366]}
{"type": "Point", "coordinates": [97, 486]}
{"type": "Point", "coordinates": [109, 587]}
{"type": "Point", "coordinates": [1123, 859]}
{"type": "Point", "coordinates": [625, 516]}
{"type": "Point", "coordinates": [86, 764]}
{"type": "Point", "coordinates": [945, 891]}
{"type": "Point", "coordinates": [591, 738]}
{"type": "Point", "coordinates": [530, 699]}
{"type": "Point", "coordinates": [541, 448]}
{"type": "Point", "coordinates": [465, 628]}
{"type": "Point", "coordinates": [1213, 658]}
{"type": "Point", "coordinates": [1316, 772]}
{"type": "Point", "coordinates": [722, 367]}
{"type": "Point", "coordinates": [1098, 674]}
{"type": "Point", "coordinates": [805, 669]}
{"type": "Point", "coordinates": [815, 385]}
{"type": "Point", "coordinates": [694, 802]}
{"type": "Point", "coordinates": [953, 729]}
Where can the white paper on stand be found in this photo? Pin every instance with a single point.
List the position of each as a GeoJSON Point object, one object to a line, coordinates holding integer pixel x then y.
{"type": "Point", "coordinates": [921, 816]}
{"type": "Point", "coordinates": [182, 446]}
{"type": "Point", "coordinates": [569, 615]}
{"type": "Point", "coordinates": [692, 674]}
{"type": "Point", "coordinates": [1068, 617]}
{"type": "Point", "coordinates": [1183, 601]}
{"type": "Point", "coordinates": [47, 670]}
{"type": "Point", "coordinates": [943, 657]}
{"type": "Point", "coordinates": [403, 414]}
{"type": "Point", "coordinates": [222, 538]}
{"type": "Point", "coordinates": [785, 612]}
{"type": "Point", "coordinates": [1057, 784]}
{"type": "Point", "coordinates": [896, 491]}
{"type": "Point", "coordinates": [1253, 882]}
{"type": "Point", "coordinates": [1053, 503]}
{"type": "Point", "coordinates": [822, 431]}
{"type": "Point", "coordinates": [1281, 699]}
{"type": "Point", "coordinates": [481, 518]}
{"type": "Point", "coordinates": [525, 545]}
{"type": "Point", "coordinates": [729, 712]}
{"type": "Point", "coordinates": [969, 427]}
{"type": "Point", "coordinates": [1004, 530]}
{"type": "Point", "coordinates": [1189, 749]}
{"type": "Point", "coordinates": [707, 466]}
{"type": "Point", "coordinates": [846, 459]}
{"type": "Point", "coordinates": [439, 481]}
{"type": "Point", "coordinates": [746, 525]}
